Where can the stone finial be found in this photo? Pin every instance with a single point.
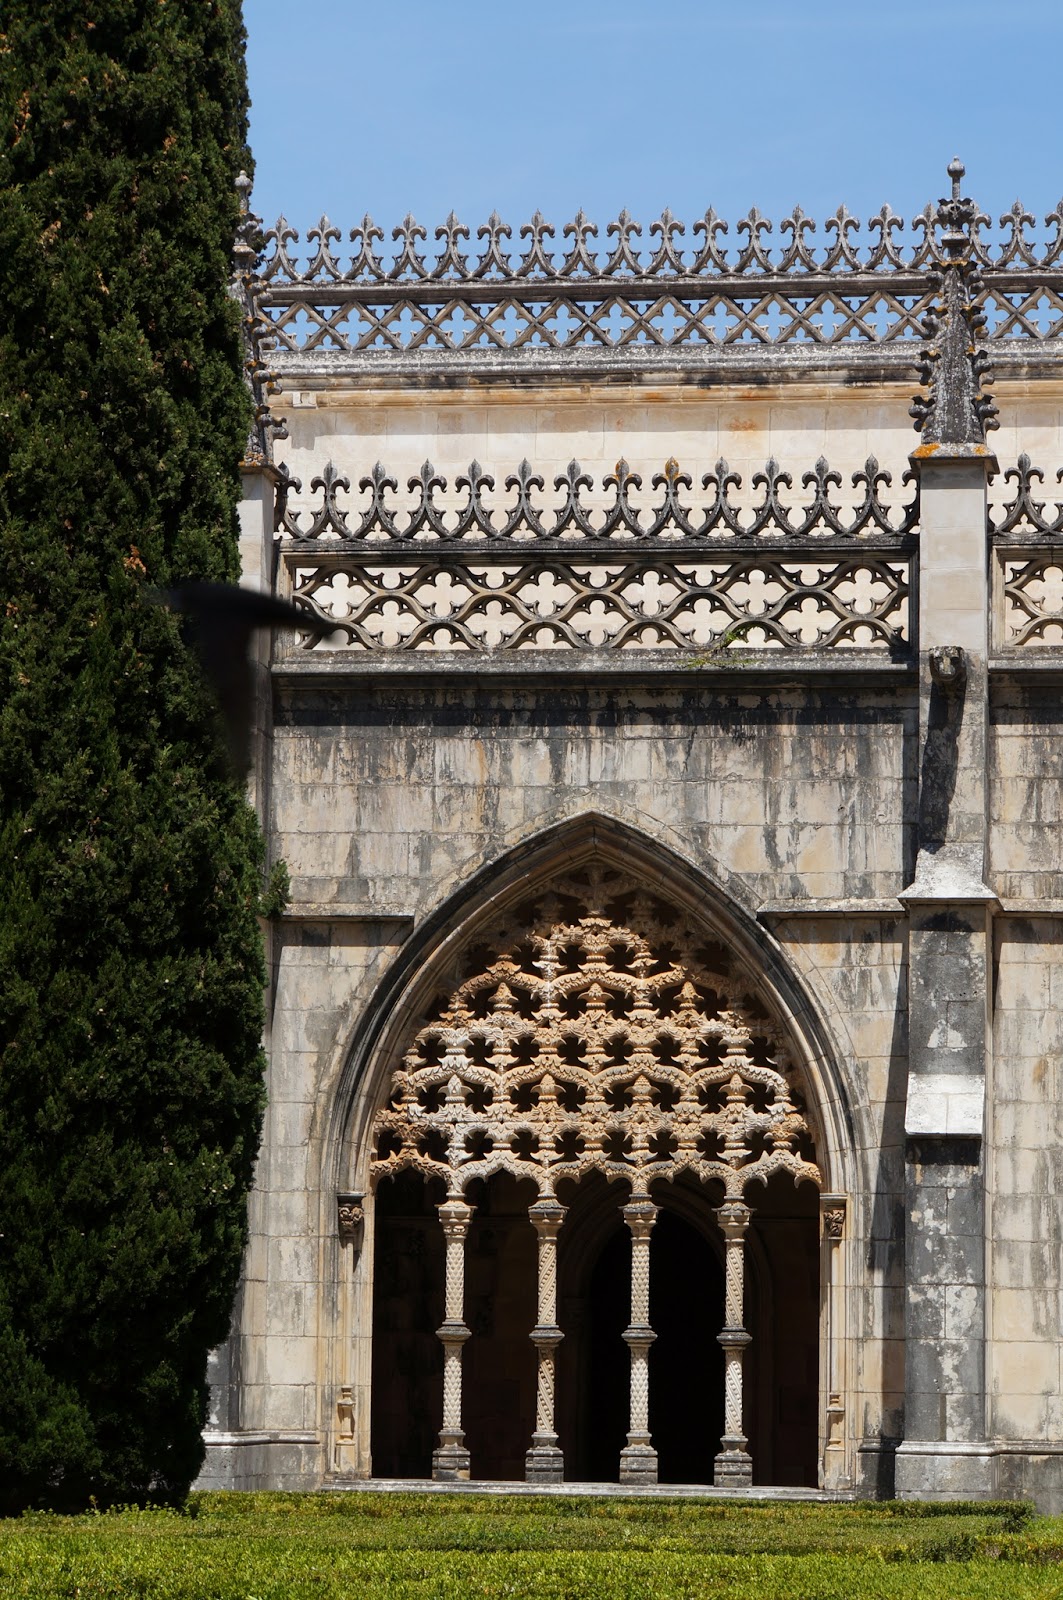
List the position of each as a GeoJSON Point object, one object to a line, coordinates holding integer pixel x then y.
{"type": "Point", "coordinates": [955, 410]}
{"type": "Point", "coordinates": [248, 230]}
{"type": "Point", "coordinates": [255, 331]}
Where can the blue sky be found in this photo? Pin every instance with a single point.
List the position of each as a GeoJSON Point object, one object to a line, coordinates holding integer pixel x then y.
{"type": "Point", "coordinates": [465, 104]}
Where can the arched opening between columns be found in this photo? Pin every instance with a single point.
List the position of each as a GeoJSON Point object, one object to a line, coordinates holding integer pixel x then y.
{"type": "Point", "coordinates": [598, 1034]}
{"type": "Point", "coordinates": [686, 1366]}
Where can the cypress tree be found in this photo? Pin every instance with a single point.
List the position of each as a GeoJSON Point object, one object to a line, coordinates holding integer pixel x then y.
{"type": "Point", "coordinates": [130, 959]}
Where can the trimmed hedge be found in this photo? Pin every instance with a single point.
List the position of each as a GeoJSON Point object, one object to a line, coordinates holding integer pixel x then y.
{"type": "Point", "coordinates": [449, 1547]}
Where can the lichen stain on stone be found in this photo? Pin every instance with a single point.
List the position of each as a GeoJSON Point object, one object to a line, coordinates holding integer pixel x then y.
{"type": "Point", "coordinates": [946, 1038]}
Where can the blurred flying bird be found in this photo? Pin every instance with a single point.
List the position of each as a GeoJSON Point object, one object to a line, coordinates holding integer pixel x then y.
{"type": "Point", "coordinates": [222, 619]}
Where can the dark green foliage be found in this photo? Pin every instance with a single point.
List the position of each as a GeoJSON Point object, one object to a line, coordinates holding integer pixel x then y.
{"type": "Point", "coordinates": [130, 962]}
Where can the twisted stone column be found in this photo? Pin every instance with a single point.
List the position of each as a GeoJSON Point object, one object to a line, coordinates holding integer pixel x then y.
{"type": "Point", "coordinates": [734, 1465]}
{"type": "Point", "coordinates": [451, 1459]}
{"type": "Point", "coordinates": [544, 1462]}
{"type": "Point", "coordinates": [638, 1459]}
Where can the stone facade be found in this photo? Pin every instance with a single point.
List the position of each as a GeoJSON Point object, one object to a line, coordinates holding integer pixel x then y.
{"type": "Point", "coordinates": [665, 1028]}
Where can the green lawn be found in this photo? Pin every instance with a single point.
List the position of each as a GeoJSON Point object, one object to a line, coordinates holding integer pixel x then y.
{"type": "Point", "coordinates": [447, 1547]}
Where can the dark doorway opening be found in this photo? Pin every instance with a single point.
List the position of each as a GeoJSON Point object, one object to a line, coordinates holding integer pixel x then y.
{"type": "Point", "coordinates": [686, 1362]}
{"type": "Point", "coordinates": [408, 1267]}
{"type": "Point", "coordinates": [606, 1363]}
{"type": "Point", "coordinates": [687, 1314]}
{"type": "Point", "coordinates": [782, 1388]}
{"type": "Point", "coordinates": [501, 1292]}
{"type": "Point", "coordinates": [594, 1283]}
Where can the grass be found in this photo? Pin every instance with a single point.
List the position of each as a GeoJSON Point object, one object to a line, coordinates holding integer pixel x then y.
{"type": "Point", "coordinates": [449, 1547]}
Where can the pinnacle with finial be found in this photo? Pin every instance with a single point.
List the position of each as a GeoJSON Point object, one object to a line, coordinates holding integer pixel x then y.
{"type": "Point", "coordinates": [955, 411]}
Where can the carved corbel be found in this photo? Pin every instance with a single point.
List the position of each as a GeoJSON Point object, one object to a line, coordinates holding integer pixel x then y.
{"type": "Point", "coordinates": [832, 1211]}
{"type": "Point", "coordinates": [948, 666]}
{"type": "Point", "coordinates": [350, 1221]}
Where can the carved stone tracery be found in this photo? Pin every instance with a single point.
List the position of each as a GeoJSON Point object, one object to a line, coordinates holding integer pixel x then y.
{"type": "Point", "coordinates": [841, 283]}
{"type": "Point", "coordinates": [596, 1029]}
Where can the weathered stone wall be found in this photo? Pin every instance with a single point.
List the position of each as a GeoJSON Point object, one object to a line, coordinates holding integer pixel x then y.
{"type": "Point", "coordinates": [387, 794]}
{"type": "Point", "coordinates": [646, 424]}
{"type": "Point", "coordinates": [1026, 791]}
{"type": "Point", "coordinates": [388, 797]}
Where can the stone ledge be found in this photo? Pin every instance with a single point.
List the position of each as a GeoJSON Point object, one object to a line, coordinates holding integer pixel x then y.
{"type": "Point", "coordinates": [768, 367]}
{"type": "Point", "coordinates": [217, 1439]}
{"type": "Point", "coordinates": [1031, 662]}
{"type": "Point", "coordinates": [649, 667]}
{"type": "Point", "coordinates": [890, 907]}
{"type": "Point", "coordinates": [309, 911]}
{"type": "Point", "coordinates": [612, 1491]}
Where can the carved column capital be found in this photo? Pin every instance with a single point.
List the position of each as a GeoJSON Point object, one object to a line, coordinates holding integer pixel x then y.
{"type": "Point", "coordinates": [734, 1218]}
{"type": "Point", "coordinates": [547, 1216]}
{"type": "Point", "coordinates": [455, 1215]}
{"type": "Point", "coordinates": [640, 1216]}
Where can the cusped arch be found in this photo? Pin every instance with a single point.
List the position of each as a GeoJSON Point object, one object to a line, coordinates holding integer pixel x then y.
{"type": "Point", "coordinates": [594, 1027]}
{"type": "Point", "coordinates": [759, 973]}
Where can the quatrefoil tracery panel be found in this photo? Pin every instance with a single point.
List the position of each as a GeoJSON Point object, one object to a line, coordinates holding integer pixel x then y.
{"type": "Point", "coordinates": [858, 602]}
{"type": "Point", "coordinates": [596, 1029]}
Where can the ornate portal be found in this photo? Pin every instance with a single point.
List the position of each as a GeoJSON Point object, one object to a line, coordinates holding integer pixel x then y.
{"type": "Point", "coordinates": [596, 1028]}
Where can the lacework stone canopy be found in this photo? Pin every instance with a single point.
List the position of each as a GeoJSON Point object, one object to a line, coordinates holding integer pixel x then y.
{"type": "Point", "coordinates": [596, 1029]}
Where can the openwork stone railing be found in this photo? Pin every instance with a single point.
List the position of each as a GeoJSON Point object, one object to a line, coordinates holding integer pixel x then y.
{"type": "Point", "coordinates": [1027, 534]}
{"type": "Point", "coordinates": [596, 1030]}
{"type": "Point", "coordinates": [1024, 514]}
{"type": "Point", "coordinates": [602, 571]}
{"type": "Point", "coordinates": [860, 602]}
{"type": "Point", "coordinates": [844, 284]}
{"type": "Point", "coordinates": [1033, 601]}
{"type": "Point", "coordinates": [619, 510]}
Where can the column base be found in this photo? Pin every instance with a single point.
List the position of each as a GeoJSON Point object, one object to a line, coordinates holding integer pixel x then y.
{"type": "Point", "coordinates": [733, 1467]}
{"type": "Point", "coordinates": [933, 1469]}
{"type": "Point", "coordinates": [638, 1464]}
{"type": "Point", "coordinates": [450, 1463]}
{"type": "Point", "coordinates": [544, 1463]}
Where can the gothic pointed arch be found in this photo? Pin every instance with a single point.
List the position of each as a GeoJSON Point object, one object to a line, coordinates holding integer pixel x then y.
{"type": "Point", "coordinates": [594, 1012]}
{"type": "Point", "coordinates": [712, 905]}
{"type": "Point", "coordinates": [594, 1027]}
